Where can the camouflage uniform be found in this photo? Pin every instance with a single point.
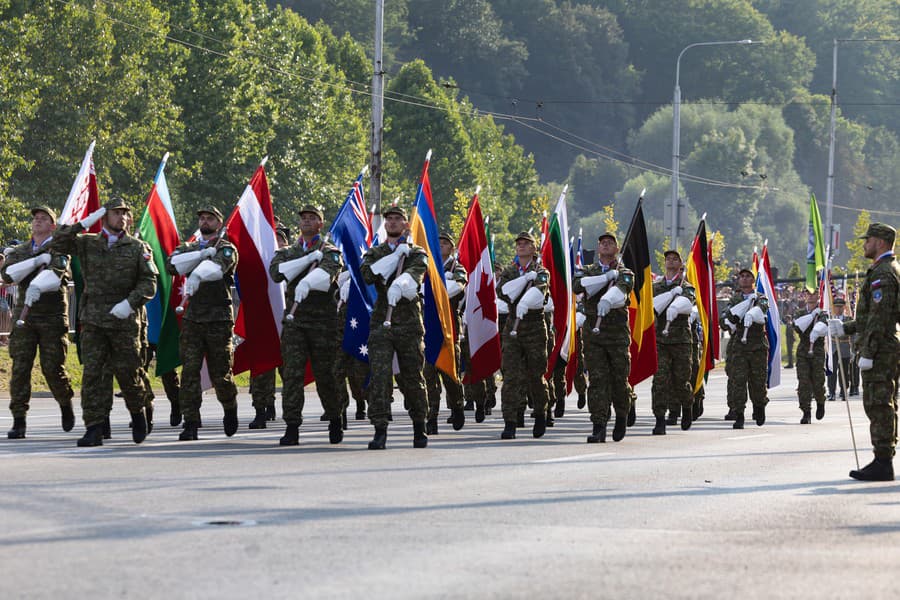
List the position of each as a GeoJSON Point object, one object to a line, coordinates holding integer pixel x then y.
{"type": "Point", "coordinates": [747, 363]}
{"type": "Point", "coordinates": [262, 390]}
{"type": "Point", "coordinates": [310, 336]}
{"type": "Point", "coordinates": [207, 327]}
{"type": "Point", "coordinates": [672, 388]}
{"type": "Point", "coordinates": [405, 336]}
{"type": "Point", "coordinates": [696, 357]}
{"type": "Point", "coordinates": [810, 367]}
{"type": "Point", "coordinates": [433, 376]}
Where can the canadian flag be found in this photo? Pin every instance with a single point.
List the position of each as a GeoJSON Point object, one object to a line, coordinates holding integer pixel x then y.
{"type": "Point", "coordinates": [84, 197]}
{"type": "Point", "coordinates": [481, 298]}
{"type": "Point", "coordinates": [251, 228]}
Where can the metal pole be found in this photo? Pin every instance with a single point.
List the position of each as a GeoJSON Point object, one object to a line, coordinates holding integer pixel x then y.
{"type": "Point", "coordinates": [377, 108]}
{"type": "Point", "coordinates": [829, 186]}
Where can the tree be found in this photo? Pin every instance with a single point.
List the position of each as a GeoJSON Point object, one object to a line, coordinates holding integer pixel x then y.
{"type": "Point", "coordinates": [794, 272]}
{"type": "Point", "coordinates": [858, 263]}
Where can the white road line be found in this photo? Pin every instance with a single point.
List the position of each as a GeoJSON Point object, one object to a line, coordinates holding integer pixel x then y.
{"type": "Point", "coordinates": [750, 437]}
{"type": "Point", "coordinates": [573, 458]}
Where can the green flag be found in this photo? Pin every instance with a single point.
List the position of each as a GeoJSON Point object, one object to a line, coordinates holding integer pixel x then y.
{"type": "Point", "coordinates": [815, 247]}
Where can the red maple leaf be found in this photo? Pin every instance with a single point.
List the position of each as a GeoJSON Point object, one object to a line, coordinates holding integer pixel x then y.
{"type": "Point", "coordinates": [486, 299]}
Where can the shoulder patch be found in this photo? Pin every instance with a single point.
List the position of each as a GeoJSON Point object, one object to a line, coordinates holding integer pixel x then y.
{"type": "Point", "coordinates": [543, 277]}
{"type": "Point", "coordinates": [877, 295]}
{"type": "Point", "coordinates": [227, 252]}
{"type": "Point", "coordinates": [63, 260]}
{"type": "Point", "coordinates": [147, 256]}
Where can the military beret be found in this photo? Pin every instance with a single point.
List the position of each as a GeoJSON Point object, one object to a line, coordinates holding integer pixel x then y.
{"type": "Point", "coordinates": [116, 202]}
{"type": "Point", "coordinates": [668, 252]}
{"type": "Point", "coordinates": [311, 208]}
{"type": "Point", "coordinates": [881, 231]}
{"type": "Point", "coordinates": [525, 235]}
{"type": "Point", "coordinates": [210, 210]}
{"type": "Point", "coordinates": [394, 209]}
{"type": "Point", "coordinates": [609, 235]}
{"type": "Point", "coordinates": [446, 235]}
{"type": "Point", "coordinates": [45, 209]}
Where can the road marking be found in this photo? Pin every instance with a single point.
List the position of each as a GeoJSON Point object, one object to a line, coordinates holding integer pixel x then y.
{"type": "Point", "coordinates": [574, 458]}
{"type": "Point", "coordinates": [750, 437]}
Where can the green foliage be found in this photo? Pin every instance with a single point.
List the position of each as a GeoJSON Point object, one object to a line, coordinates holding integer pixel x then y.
{"type": "Point", "coordinates": [794, 273]}
{"type": "Point", "coordinates": [858, 263]}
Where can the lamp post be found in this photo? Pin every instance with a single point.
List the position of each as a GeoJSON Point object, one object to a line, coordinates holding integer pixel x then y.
{"type": "Point", "coordinates": [676, 130]}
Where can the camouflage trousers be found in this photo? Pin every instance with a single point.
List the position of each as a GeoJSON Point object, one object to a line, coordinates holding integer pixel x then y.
{"type": "Point", "coordinates": [24, 342]}
{"type": "Point", "coordinates": [262, 390]}
{"type": "Point", "coordinates": [671, 387]}
{"type": "Point", "coordinates": [879, 386]}
{"type": "Point", "coordinates": [524, 361]}
{"type": "Point", "coordinates": [746, 371]}
{"type": "Point", "coordinates": [313, 343]}
{"type": "Point", "coordinates": [434, 377]}
{"type": "Point", "coordinates": [608, 367]}
{"type": "Point", "coordinates": [696, 357]}
{"type": "Point", "coordinates": [116, 350]}
{"type": "Point", "coordinates": [348, 370]}
{"type": "Point", "coordinates": [408, 341]}
{"type": "Point", "coordinates": [212, 341]}
{"type": "Point", "coordinates": [810, 376]}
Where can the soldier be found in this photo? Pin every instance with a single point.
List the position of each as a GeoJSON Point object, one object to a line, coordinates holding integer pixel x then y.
{"type": "Point", "coordinates": [310, 268]}
{"type": "Point", "coordinates": [748, 350]}
{"type": "Point", "coordinates": [119, 279]}
{"type": "Point", "coordinates": [606, 286]}
{"type": "Point", "coordinates": [842, 357]}
{"type": "Point", "coordinates": [455, 278]}
{"type": "Point", "coordinates": [208, 322]}
{"type": "Point", "coordinates": [878, 347]}
{"type": "Point", "coordinates": [41, 276]}
{"type": "Point", "coordinates": [523, 287]}
{"type": "Point", "coordinates": [811, 325]}
{"type": "Point", "coordinates": [673, 300]}
{"type": "Point", "coordinates": [397, 269]}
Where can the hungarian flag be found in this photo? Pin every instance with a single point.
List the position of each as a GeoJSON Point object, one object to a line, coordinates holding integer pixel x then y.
{"type": "Point", "coordinates": [765, 287]}
{"type": "Point", "coordinates": [700, 275]}
{"type": "Point", "coordinates": [157, 229]}
{"type": "Point", "coordinates": [636, 256]}
{"type": "Point", "coordinates": [251, 228]}
{"type": "Point", "coordinates": [815, 246]}
{"type": "Point", "coordinates": [556, 259]}
{"type": "Point", "coordinates": [481, 297]}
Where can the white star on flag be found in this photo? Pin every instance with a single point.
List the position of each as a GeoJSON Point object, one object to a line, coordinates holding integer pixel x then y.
{"type": "Point", "coordinates": [353, 323]}
{"type": "Point", "coordinates": [364, 350]}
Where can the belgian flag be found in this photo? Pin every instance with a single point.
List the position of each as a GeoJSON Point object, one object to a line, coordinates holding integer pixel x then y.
{"type": "Point", "coordinates": [641, 318]}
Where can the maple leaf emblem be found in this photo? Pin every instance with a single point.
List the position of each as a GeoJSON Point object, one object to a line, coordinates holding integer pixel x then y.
{"type": "Point", "coordinates": [486, 298]}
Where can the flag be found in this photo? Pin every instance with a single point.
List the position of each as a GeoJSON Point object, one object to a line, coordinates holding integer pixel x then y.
{"type": "Point", "coordinates": [754, 262]}
{"type": "Point", "coordinates": [700, 275]}
{"type": "Point", "coordinates": [636, 256]}
{"type": "Point", "coordinates": [815, 246]}
{"type": "Point", "coordinates": [826, 303]}
{"type": "Point", "coordinates": [481, 297]}
{"type": "Point", "coordinates": [490, 238]}
{"type": "Point", "coordinates": [251, 228]}
{"type": "Point", "coordinates": [158, 230]}
{"type": "Point", "coordinates": [439, 346]}
{"type": "Point", "coordinates": [579, 252]}
{"type": "Point", "coordinates": [352, 234]}
{"type": "Point", "coordinates": [765, 287]}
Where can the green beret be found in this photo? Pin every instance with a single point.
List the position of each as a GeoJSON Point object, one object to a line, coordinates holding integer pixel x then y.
{"type": "Point", "coordinates": [881, 231]}
{"type": "Point", "coordinates": [44, 209]}
{"type": "Point", "coordinates": [115, 203]}
{"type": "Point", "coordinates": [394, 209]}
{"type": "Point", "coordinates": [310, 208]}
{"type": "Point", "coordinates": [524, 235]}
{"type": "Point", "coordinates": [210, 210]}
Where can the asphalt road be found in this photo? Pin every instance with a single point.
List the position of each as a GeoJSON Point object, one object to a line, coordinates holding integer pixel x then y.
{"type": "Point", "coordinates": [709, 513]}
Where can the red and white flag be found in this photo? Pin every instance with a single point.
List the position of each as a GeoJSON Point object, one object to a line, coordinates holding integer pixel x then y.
{"type": "Point", "coordinates": [481, 298]}
{"type": "Point", "coordinates": [251, 228]}
{"type": "Point", "coordinates": [84, 197]}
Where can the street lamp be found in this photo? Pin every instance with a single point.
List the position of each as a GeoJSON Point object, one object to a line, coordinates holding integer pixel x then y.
{"type": "Point", "coordinates": [676, 129]}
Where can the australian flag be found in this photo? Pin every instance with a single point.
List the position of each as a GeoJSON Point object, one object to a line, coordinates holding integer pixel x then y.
{"type": "Point", "coordinates": [352, 234]}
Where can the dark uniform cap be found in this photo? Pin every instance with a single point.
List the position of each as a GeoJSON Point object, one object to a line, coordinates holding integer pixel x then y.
{"type": "Point", "coordinates": [840, 302]}
{"type": "Point", "coordinates": [881, 231]}
{"type": "Point", "coordinates": [45, 209]}
{"type": "Point", "coordinates": [310, 208]}
{"type": "Point", "coordinates": [446, 235]}
{"type": "Point", "coordinates": [610, 236]}
{"type": "Point", "coordinates": [394, 210]}
{"type": "Point", "coordinates": [284, 233]}
{"type": "Point", "coordinates": [114, 203]}
{"type": "Point", "coordinates": [668, 252]}
{"type": "Point", "coordinates": [746, 270]}
{"type": "Point", "coordinates": [212, 210]}
{"type": "Point", "coordinates": [524, 235]}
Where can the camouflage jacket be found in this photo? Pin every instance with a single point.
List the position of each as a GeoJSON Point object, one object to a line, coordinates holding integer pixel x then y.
{"type": "Point", "coordinates": [756, 335]}
{"type": "Point", "coordinates": [416, 263]}
{"type": "Point", "coordinates": [614, 326]}
{"type": "Point", "coordinates": [123, 271]}
{"type": "Point", "coordinates": [878, 311]}
{"type": "Point", "coordinates": [317, 305]}
{"type": "Point", "coordinates": [211, 302]}
{"type": "Point", "coordinates": [680, 328]}
{"type": "Point", "coordinates": [803, 345]}
{"type": "Point", "coordinates": [542, 282]}
{"type": "Point", "coordinates": [51, 305]}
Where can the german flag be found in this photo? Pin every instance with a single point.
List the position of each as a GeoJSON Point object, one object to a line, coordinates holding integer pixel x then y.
{"type": "Point", "coordinates": [641, 318]}
{"type": "Point", "coordinates": [700, 273]}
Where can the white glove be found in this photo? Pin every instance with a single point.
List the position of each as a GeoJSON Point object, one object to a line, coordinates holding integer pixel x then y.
{"type": "Point", "coordinates": [205, 271]}
{"type": "Point", "coordinates": [530, 275]}
{"type": "Point", "coordinates": [454, 289]}
{"type": "Point", "coordinates": [317, 280]}
{"type": "Point", "coordinates": [122, 310]}
{"type": "Point", "coordinates": [292, 268]}
{"type": "Point", "coordinates": [533, 299]}
{"type": "Point", "coordinates": [402, 249]}
{"type": "Point", "coordinates": [32, 295]}
{"type": "Point", "coordinates": [754, 316]}
{"type": "Point", "coordinates": [45, 281]}
{"type": "Point", "coordinates": [343, 277]}
{"type": "Point", "coordinates": [613, 298]}
{"type": "Point", "coordinates": [661, 301]}
{"type": "Point", "coordinates": [603, 307]}
{"type": "Point", "coordinates": [92, 218]}
{"type": "Point", "coordinates": [695, 314]}
{"type": "Point", "coordinates": [836, 327]}
{"type": "Point", "coordinates": [408, 287]}
{"type": "Point", "coordinates": [394, 294]}
{"type": "Point", "coordinates": [345, 290]}
{"type": "Point", "coordinates": [185, 262]}
{"type": "Point", "coordinates": [549, 307]}
{"type": "Point", "coordinates": [385, 267]}
{"type": "Point", "coordinates": [731, 326]}
{"type": "Point", "coordinates": [865, 363]}
{"type": "Point", "coordinates": [23, 269]}
{"type": "Point", "coordinates": [502, 307]}
{"type": "Point", "coordinates": [679, 306]}
{"type": "Point", "coordinates": [819, 330]}
{"type": "Point", "coordinates": [593, 285]}
{"type": "Point", "coordinates": [580, 318]}
{"type": "Point", "coordinates": [208, 252]}
{"type": "Point", "coordinates": [514, 287]}
{"type": "Point", "coordinates": [676, 291]}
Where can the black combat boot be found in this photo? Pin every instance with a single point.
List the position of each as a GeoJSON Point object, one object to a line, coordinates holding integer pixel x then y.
{"type": "Point", "coordinates": [68, 416]}
{"type": "Point", "coordinates": [360, 410]}
{"type": "Point", "coordinates": [106, 429]}
{"type": "Point", "coordinates": [698, 408]}
{"type": "Point", "coordinates": [175, 413]}
{"type": "Point", "coordinates": [806, 419]}
{"type": "Point", "coordinates": [759, 415]}
{"type": "Point", "coordinates": [324, 417]}
{"type": "Point", "coordinates": [549, 417]}
{"type": "Point", "coordinates": [291, 435]}
{"type": "Point", "coordinates": [344, 426]}
{"type": "Point", "coordinates": [92, 437]}
{"type": "Point", "coordinates": [470, 405]}
{"type": "Point", "coordinates": [431, 426]}
{"type": "Point", "coordinates": [582, 400]}
{"type": "Point", "coordinates": [138, 426]}
{"type": "Point", "coordinates": [619, 428]}
{"type": "Point", "coordinates": [687, 417]}
{"type": "Point", "coordinates": [189, 433]}
{"type": "Point", "coordinates": [820, 411]}
{"type": "Point", "coordinates": [479, 411]}
{"type": "Point", "coordinates": [731, 415]}
{"type": "Point", "coordinates": [270, 412]}
{"type": "Point", "coordinates": [509, 431]}
{"type": "Point", "coordinates": [560, 409]}
{"type": "Point", "coordinates": [420, 440]}
{"type": "Point", "coordinates": [738, 421]}
{"type": "Point", "coordinates": [259, 421]}
{"type": "Point", "coordinates": [673, 416]}
{"type": "Point", "coordinates": [230, 421]}
{"type": "Point", "coordinates": [880, 469]}
{"type": "Point", "coordinates": [336, 430]}
{"type": "Point", "coordinates": [660, 427]}
{"type": "Point", "coordinates": [598, 436]}
{"type": "Point", "coordinates": [18, 429]}
{"type": "Point", "coordinates": [520, 419]}
{"type": "Point", "coordinates": [540, 424]}
{"type": "Point", "coordinates": [379, 442]}
{"type": "Point", "coordinates": [458, 417]}
{"type": "Point", "coordinates": [632, 415]}
{"type": "Point", "coordinates": [148, 410]}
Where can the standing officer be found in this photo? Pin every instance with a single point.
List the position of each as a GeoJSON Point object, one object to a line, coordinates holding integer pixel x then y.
{"type": "Point", "coordinates": [811, 325]}
{"type": "Point", "coordinates": [841, 343]}
{"type": "Point", "coordinates": [673, 299]}
{"type": "Point", "coordinates": [41, 277]}
{"type": "Point", "coordinates": [606, 286]}
{"type": "Point", "coordinates": [119, 279]}
{"type": "Point", "coordinates": [310, 268]}
{"type": "Point", "coordinates": [878, 347]}
{"type": "Point", "coordinates": [523, 287]}
{"type": "Point", "coordinates": [396, 268]}
{"type": "Point", "coordinates": [748, 350]}
{"type": "Point", "coordinates": [208, 322]}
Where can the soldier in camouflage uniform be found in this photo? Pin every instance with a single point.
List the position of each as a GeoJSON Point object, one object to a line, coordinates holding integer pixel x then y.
{"type": "Point", "coordinates": [456, 278]}
{"type": "Point", "coordinates": [208, 322]}
{"type": "Point", "coordinates": [397, 269]}
{"type": "Point", "coordinates": [878, 347]}
{"type": "Point", "coordinates": [810, 323]}
{"type": "Point", "coordinates": [673, 299]}
{"type": "Point", "coordinates": [747, 361]}
{"type": "Point", "coordinates": [523, 287]}
{"type": "Point", "coordinates": [309, 268]}
{"type": "Point", "coordinates": [119, 279]}
{"type": "Point", "coordinates": [606, 286]}
{"type": "Point", "coordinates": [47, 324]}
